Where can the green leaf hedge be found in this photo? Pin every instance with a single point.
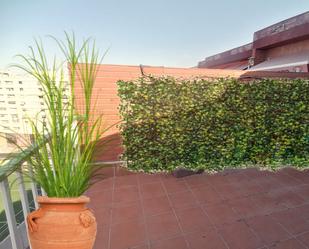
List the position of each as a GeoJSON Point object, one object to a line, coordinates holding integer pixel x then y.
{"type": "Point", "coordinates": [214, 123]}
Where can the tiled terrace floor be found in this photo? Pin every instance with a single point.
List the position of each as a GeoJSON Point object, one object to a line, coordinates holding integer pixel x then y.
{"type": "Point", "coordinates": [240, 209]}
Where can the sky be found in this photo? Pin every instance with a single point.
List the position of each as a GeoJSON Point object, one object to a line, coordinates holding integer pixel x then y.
{"type": "Point", "coordinates": [175, 33]}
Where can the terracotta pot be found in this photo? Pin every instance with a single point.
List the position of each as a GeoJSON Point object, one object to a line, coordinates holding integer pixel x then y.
{"type": "Point", "coordinates": [62, 223]}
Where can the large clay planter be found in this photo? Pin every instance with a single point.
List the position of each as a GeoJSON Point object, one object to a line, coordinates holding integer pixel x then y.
{"type": "Point", "coordinates": [62, 223]}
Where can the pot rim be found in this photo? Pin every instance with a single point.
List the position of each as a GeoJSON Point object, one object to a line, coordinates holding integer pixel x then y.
{"type": "Point", "coordinates": [63, 200]}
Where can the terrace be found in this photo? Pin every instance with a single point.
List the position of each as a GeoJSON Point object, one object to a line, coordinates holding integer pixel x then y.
{"type": "Point", "coordinates": [233, 209]}
{"type": "Point", "coordinates": [245, 208]}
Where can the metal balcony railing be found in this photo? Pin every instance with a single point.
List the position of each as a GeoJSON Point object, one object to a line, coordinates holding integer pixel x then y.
{"type": "Point", "coordinates": [13, 228]}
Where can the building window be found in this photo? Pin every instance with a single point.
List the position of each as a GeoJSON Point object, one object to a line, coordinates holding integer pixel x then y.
{"type": "Point", "coordinates": [20, 82]}
{"type": "Point", "coordinates": [21, 89]}
{"type": "Point", "coordinates": [12, 102]}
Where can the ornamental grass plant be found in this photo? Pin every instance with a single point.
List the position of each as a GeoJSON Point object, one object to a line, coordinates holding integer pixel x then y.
{"type": "Point", "coordinates": [65, 143]}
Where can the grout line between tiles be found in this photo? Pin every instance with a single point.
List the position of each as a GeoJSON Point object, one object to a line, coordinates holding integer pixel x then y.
{"type": "Point", "coordinates": [216, 229]}
{"type": "Point", "coordinates": [174, 212]}
{"type": "Point", "coordinates": [111, 214]}
{"type": "Point", "coordinates": [143, 212]}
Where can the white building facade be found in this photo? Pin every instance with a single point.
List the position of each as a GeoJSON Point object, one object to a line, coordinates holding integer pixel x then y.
{"type": "Point", "coordinates": [21, 99]}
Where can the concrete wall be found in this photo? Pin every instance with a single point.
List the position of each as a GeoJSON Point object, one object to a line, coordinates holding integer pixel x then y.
{"type": "Point", "coordinates": [289, 49]}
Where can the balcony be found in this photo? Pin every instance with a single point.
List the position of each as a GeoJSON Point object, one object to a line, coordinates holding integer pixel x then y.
{"type": "Point", "coordinates": [245, 208]}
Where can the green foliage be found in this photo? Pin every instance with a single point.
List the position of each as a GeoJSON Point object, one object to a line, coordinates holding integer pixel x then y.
{"type": "Point", "coordinates": [214, 124]}
{"type": "Point", "coordinates": [66, 142]}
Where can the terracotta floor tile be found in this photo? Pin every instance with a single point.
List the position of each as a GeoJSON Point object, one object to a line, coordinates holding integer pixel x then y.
{"type": "Point", "coordinates": [221, 214]}
{"type": "Point", "coordinates": [144, 178]}
{"type": "Point", "coordinates": [250, 188]}
{"type": "Point", "coordinates": [239, 236]}
{"type": "Point", "coordinates": [172, 243]}
{"type": "Point", "coordinates": [286, 180]}
{"type": "Point", "coordinates": [245, 207]}
{"type": "Point", "coordinates": [268, 183]}
{"type": "Point", "coordinates": [162, 226]}
{"type": "Point", "coordinates": [251, 172]}
{"type": "Point", "coordinates": [205, 240]}
{"type": "Point", "coordinates": [107, 171]}
{"type": "Point", "coordinates": [127, 211]}
{"type": "Point", "coordinates": [262, 174]}
{"type": "Point", "coordinates": [228, 191]}
{"type": "Point", "coordinates": [286, 197]}
{"type": "Point", "coordinates": [207, 195]}
{"type": "Point", "coordinates": [216, 179]}
{"type": "Point", "coordinates": [103, 215]}
{"type": "Point", "coordinates": [238, 178]}
{"type": "Point", "coordinates": [292, 221]}
{"type": "Point", "coordinates": [100, 199]}
{"type": "Point", "coordinates": [122, 171]}
{"type": "Point", "coordinates": [175, 185]}
{"type": "Point", "coordinates": [267, 203]}
{"type": "Point", "coordinates": [291, 172]}
{"type": "Point", "coordinates": [303, 210]}
{"type": "Point", "coordinates": [288, 244]}
{"type": "Point", "coordinates": [102, 185]}
{"type": "Point", "coordinates": [156, 205]}
{"type": "Point", "coordinates": [304, 238]}
{"type": "Point", "coordinates": [193, 219]}
{"type": "Point", "coordinates": [126, 194]}
{"type": "Point", "coordinates": [303, 191]}
{"type": "Point", "coordinates": [182, 200]}
{"type": "Point", "coordinates": [268, 229]}
{"type": "Point", "coordinates": [102, 238]}
{"type": "Point", "coordinates": [124, 181]}
{"type": "Point", "coordinates": [296, 226]}
{"type": "Point", "coordinates": [197, 180]}
{"type": "Point", "coordinates": [302, 176]}
{"type": "Point", "coordinates": [127, 234]}
{"type": "Point", "coordinates": [152, 190]}
{"type": "Point", "coordinates": [145, 246]}
{"type": "Point", "coordinates": [198, 202]}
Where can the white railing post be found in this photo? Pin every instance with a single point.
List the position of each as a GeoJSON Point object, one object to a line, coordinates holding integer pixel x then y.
{"type": "Point", "coordinates": [10, 214]}
{"type": "Point", "coordinates": [23, 198]}
{"type": "Point", "coordinates": [43, 192]}
{"type": "Point", "coordinates": [23, 195]}
{"type": "Point", "coordinates": [33, 187]}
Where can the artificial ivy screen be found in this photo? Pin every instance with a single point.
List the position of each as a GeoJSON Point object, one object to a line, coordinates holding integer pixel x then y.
{"type": "Point", "coordinates": [214, 123]}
